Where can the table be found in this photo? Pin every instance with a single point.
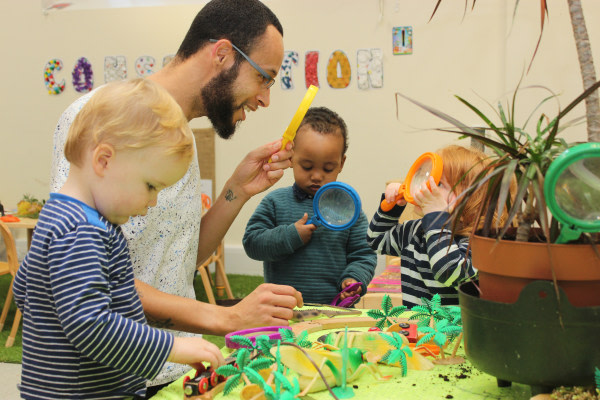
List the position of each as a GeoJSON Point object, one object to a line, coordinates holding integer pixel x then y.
{"type": "Point", "coordinates": [463, 382]}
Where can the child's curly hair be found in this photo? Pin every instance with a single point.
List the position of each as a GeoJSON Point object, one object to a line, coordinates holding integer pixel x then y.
{"type": "Point", "coordinates": [462, 165]}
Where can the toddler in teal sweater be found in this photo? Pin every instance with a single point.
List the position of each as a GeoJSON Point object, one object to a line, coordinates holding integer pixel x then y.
{"type": "Point", "coordinates": [317, 262]}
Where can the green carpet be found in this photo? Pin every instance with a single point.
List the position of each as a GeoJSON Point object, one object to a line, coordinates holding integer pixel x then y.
{"type": "Point", "coordinates": [241, 286]}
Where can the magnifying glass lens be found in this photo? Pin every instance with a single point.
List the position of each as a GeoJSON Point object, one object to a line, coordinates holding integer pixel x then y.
{"type": "Point", "coordinates": [421, 176]}
{"type": "Point", "coordinates": [577, 189]}
{"type": "Point", "coordinates": [336, 207]}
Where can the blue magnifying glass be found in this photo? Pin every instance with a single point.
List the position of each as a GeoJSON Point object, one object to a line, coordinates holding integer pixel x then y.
{"type": "Point", "coordinates": [336, 206]}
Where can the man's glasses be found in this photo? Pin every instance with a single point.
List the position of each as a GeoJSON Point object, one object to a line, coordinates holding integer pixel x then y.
{"type": "Point", "coordinates": [268, 80]}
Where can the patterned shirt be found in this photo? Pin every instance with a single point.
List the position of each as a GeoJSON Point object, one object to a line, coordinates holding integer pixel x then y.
{"type": "Point", "coordinates": [84, 330]}
{"type": "Point", "coordinates": [163, 244]}
{"type": "Point", "coordinates": [318, 268]}
{"type": "Point", "coordinates": [431, 261]}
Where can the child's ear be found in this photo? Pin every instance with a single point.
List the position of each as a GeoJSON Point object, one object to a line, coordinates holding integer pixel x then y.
{"type": "Point", "coordinates": [102, 157]}
{"type": "Point", "coordinates": [343, 161]}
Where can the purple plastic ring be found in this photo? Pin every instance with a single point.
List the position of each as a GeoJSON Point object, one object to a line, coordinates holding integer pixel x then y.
{"type": "Point", "coordinates": [271, 331]}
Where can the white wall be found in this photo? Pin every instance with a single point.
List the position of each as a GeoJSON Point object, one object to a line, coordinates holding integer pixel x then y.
{"type": "Point", "coordinates": [478, 55]}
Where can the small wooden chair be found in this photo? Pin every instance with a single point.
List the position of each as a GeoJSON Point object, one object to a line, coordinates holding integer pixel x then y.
{"type": "Point", "coordinates": [9, 267]}
{"type": "Point", "coordinates": [218, 257]}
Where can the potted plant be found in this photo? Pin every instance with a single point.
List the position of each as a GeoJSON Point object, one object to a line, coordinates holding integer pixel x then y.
{"type": "Point", "coordinates": [542, 339]}
{"type": "Point", "coordinates": [506, 339]}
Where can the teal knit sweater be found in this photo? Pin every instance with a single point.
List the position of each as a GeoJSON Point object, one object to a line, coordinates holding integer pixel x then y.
{"type": "Point", "coordinates": [316, 269]}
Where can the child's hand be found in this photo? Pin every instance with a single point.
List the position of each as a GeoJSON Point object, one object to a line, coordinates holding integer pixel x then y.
{"type": "Point", "coordinates": [346, 283]}
{"type": "Point", "coordinates": [391, 191]}
{"type": "Point", "coordinates": [305, 231]}
{"type": "Point", "coordinates": [193, 351]}
{"type": "Point", "coordinates": [439, 198]}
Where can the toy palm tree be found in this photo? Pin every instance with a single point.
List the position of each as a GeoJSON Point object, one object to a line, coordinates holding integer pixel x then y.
{"type": "Point", "coordinates": [455, 317]}
{"type": "Point", "coordinates": [439, 334]}
{"type": "Point", "coordinates": [429, 311]}
{"type": "Point", "coordinates": [387, 311]}
{"type": "Point", "coordinates": [244, 369]}
{"type": "Point", "coordinates": [288, 336]}
{"type": "Point", "coordinates": [398, 355]}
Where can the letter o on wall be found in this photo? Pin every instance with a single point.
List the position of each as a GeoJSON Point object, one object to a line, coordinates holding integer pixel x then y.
{"type": "Point", "coordinates": [338, 70]}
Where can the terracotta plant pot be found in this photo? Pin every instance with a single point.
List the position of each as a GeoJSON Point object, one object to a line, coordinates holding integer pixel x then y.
{"type": "Point", "coordinates": [506, 266]}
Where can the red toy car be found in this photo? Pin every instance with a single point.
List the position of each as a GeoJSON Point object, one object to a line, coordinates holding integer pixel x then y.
{"type": "Point", "coordinates": [204, 381]}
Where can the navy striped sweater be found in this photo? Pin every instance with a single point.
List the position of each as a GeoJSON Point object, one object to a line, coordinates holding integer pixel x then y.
{"type": "Point", "coordinates": [84, 330]}
{"type": "Point", "coordinates": [431, 261]}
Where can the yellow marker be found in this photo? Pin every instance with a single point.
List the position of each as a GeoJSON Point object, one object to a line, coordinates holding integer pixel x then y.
{"type": "Point", "coordinates": [290, 132]}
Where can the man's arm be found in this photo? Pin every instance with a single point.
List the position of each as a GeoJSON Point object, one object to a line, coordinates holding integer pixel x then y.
{"type": "Point", "coordinates": [267, 305]}
{"type": "Point", "coordinates": [252, 176]}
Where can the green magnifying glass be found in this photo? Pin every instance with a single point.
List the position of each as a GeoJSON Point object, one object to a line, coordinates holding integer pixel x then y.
{"type": "Point", "coordinates": [572, 191]}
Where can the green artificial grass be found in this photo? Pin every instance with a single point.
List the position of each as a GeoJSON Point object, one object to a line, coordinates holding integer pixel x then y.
{"type": "Point", "coordinates": [241, 286]}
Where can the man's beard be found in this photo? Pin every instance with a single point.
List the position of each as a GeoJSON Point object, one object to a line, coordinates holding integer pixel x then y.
{"type": "Point", "coordinates": [218, 100]}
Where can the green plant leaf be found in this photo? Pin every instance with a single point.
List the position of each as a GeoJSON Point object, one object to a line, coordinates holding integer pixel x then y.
{"type": "Point", "coordinates": [232, 383]}
{"type": "Point", "coordinates": [386, 304]}
{"type": "Point", "coordinates": [227, 370]}
{"type": "Point", "coordinates": [260, 363]}
{"type": "Point", "coordinates": [397, 311]}
{"type": "Point", "coordinates": [375, 314]}
{"type": "Point", "coordinates": [242, 340]}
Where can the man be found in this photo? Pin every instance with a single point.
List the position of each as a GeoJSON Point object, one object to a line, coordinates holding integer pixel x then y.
{"type": "Point", "coordinates": [224, 68]}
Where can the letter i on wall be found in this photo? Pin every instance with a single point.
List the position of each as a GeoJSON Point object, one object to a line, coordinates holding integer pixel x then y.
{"type": "Point", "coordinates": [402, 40]}
{"type": "Point", "coordinates": [311, 61]}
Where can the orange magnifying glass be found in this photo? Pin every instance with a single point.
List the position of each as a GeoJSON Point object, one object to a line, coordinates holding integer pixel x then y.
{"type": "Point", "coordinates": [428, 164]}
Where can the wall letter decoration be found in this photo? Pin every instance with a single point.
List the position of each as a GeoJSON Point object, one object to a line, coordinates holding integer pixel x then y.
{"type": "Point", "coordinates": [83, 76]}
{"type": "Point", "coordinates": [290, 59]}
{"type": "Point", "coordinates": [144, 66]}
{"type": "Point", "coordinates": [51, 66]}
{"type": "Point", "coordinates": [311, 60]}
{"type": "Point", "coordinates": [402, 40]}
{"type": "Point", "coordinates": [115, 68]}
{"type": "Point", "coordinates": [167, 59]}
{"type": "Point", "coordinates": [338, 70]}
{"type": "Point", "coordinates": [370, 68]}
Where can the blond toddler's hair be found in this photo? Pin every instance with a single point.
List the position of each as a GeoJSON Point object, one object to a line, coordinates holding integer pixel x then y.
{"type": "Point", "coordinates": [130, 114]}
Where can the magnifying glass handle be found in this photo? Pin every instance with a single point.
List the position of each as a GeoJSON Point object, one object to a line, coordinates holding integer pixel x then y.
{"type": "Point", "coordinates": [567, 234]}
{"type": "Point", "coordinates": [385, 206]}
{"type": "Point", "coordinates": [290, 132]}
{"type": "Point", "coordinates": [313, 220]}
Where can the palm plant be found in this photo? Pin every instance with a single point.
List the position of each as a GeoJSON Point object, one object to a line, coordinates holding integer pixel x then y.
{"type": "Point", "coordinates": [521, 159]}
{"type": "Point", "coordinates": [584, 57]}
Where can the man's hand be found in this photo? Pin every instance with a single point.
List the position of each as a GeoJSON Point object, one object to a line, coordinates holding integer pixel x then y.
{"type": "Point", "coordinates": [305, 231]}
{"type": "Point", "coordinates": [255, 174]}
{"type": "Point", "coordinates": [267, 305]}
